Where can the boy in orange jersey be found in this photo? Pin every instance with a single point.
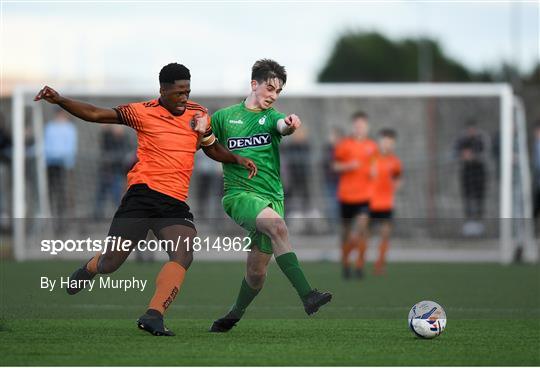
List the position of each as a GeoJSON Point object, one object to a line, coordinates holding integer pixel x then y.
{"type": "Point", "coordinates": [386, 180]}
{"type": "Point", "coordinates": [170, 129]}
{"type": "Point", "coordinates": [353, 157]}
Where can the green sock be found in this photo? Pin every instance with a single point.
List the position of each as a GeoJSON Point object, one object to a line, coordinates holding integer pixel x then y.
{"type": "Point", "coordinates": [244, 299]}
{"type": "Point", "coordinates": [291, 268]}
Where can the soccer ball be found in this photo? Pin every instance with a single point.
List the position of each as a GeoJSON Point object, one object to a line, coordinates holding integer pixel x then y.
{"type": "Point", "coordinates": [427, 319]}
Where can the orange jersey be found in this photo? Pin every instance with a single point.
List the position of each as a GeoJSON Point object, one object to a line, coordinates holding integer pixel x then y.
{"type": "Point", "coordinates": [354, 185]}
{"type": "Point", "coordinates": [385, 170]}
{"type": "Point", "coordinates": [166, 146]}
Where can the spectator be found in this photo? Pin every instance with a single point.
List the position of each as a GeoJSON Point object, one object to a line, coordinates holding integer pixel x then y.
{"type": "Point", "coordinates": [116, 161]}
{"type": "Point", "coordinates": [296, 159]}
{"type": "Point", "coordinates": [5, 161]}
{"type": "Point", "coordinates": [470, 148]}
{"type": "Point", "coordinates": [60, 154]}
{"type": "Point", "coordinates": [536, 170]}
{"type": "Point", "coordinates": [331, 178]}
{"type": "Point", "coordinates": [353, 158]}
{"type": "Point", "coordinates": [209, 189]}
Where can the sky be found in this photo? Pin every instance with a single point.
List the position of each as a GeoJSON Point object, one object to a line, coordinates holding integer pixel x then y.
{"type": "Point", "coordinates": [125, 44]}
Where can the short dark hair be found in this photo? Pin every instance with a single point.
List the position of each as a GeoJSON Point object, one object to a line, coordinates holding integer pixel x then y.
{"type": "Point", "coordinates": [173, 72]}
{"type": "Point", "coordinates": [266, 69]}
{"type": "Point", "coordinates": [359, 115]}
{"type": "Point", "coordinates": [388, 133]}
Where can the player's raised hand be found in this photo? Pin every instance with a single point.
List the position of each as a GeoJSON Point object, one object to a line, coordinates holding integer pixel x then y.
{"type": "Point", "coordinates": [248, 164]}
{"type": "Point", "coordinates": [293, 121]}
{"type": "Point", "coordinates": [201, 123]}
{"type": "Point", "coordinates": [48, 94]}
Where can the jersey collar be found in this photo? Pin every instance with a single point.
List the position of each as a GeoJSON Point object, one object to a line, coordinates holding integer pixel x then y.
{"type": "Point", "coordinates": [253, 110]}
{"type": "Point", "coordinates": [168, 112]}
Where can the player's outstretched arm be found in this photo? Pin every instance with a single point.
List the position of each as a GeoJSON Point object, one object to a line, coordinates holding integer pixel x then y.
{"type": "Point", "coordinates": [82, 110]}
{"type": "Point", "coordinates": [218, 152]}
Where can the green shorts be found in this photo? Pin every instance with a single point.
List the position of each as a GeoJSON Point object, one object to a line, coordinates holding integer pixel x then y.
{"type": "Point", "coordinates": [244, 207]}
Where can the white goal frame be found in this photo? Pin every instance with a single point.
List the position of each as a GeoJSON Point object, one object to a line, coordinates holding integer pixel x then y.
{"type": "Point", "coordinates": [512, 120]}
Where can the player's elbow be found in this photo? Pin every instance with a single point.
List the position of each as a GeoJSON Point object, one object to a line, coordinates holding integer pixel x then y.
{"type": "Point", "coordinates": [95, 119]}
{"type": "Point", "coordinates": [104, 116]}
{"type": "Point", "coordinates": [92, 116]}
{"type": "Point", "coordinates": [99, 119]}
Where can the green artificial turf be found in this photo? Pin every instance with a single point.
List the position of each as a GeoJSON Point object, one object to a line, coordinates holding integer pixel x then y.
{"type": "Point", "coordinates": [493, 318]}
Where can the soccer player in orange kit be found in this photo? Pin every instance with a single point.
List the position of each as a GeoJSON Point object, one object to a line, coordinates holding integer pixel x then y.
{"type": "Point", "coordinates": [170, 129]}
{"type": "Point", "coordinates": [353, 158]}
{"type": "Point", "coordinates": [386, 180]}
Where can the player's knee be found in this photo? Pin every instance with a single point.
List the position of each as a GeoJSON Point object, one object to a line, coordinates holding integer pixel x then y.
{"type": "Point", "coordinates": [363, 233]}
{"type": "Point", "coordinates": [278, 229]}
{"type": "Point", "coordinates": [256, 276]}
{"type": "Point", "coordinates": [184, 258]}
{"type": "Point", "coordinates": [187, 259]}
{"type": "Point", "coordinates": [354, 238]}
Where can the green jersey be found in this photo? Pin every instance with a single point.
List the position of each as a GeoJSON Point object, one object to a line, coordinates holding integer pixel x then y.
{"type": "Point", "coordinates": [251, 134]}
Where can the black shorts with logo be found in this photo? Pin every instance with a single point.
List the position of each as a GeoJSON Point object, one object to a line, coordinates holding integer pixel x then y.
{"type": "Point", "coordinates": [144, 209]}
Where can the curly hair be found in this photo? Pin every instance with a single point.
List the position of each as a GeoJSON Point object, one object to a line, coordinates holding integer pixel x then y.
{"type": "Point", "coordinates": [173, 72]}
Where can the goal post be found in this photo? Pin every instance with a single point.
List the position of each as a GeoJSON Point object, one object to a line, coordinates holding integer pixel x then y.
{"type": "Point", "coordinates": [511, 125]}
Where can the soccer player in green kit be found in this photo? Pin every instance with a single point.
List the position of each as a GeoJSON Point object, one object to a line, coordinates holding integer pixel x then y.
{"type": "Point", "coordinates": [254, 129]}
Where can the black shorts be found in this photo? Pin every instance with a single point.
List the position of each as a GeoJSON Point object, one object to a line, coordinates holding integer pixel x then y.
{"type": "Point", "coordinates": [351, 210]}
{"type": "Point", "coordinates": [144, 209]}
{"type": "Point", "coordinates": [381, 215]}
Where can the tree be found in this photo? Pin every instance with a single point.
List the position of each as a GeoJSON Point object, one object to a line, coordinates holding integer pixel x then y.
{"type": "Point", "coordinates": [534, 76]}
{"type": "Point", "coordinates": [371, 57]}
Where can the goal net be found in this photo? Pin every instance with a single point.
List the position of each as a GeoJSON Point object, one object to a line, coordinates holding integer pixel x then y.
{"type": "Point", "coordinates": [459, 202]}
